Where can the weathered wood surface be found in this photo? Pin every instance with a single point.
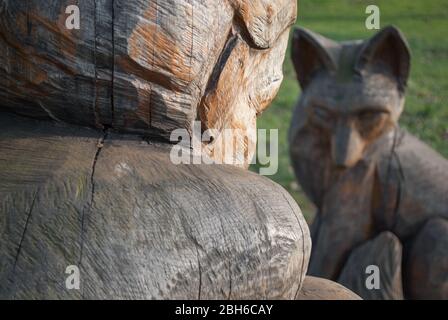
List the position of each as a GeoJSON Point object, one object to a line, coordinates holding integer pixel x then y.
{"type": "Point", "coordinates": [137, 225]}
{"type": "Point", "coordinates": [427, 269]}
{"type": "Point", "coordinates": [145, 67]}
{"type": "Point", "coordinates": [385, 251]}
{"type": "Point", "coordinates": [364, 174]}
{"type": "Point", "coordinates": [322, 289]}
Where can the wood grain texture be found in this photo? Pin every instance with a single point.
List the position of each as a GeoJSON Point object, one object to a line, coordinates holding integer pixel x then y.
{"type": "Point", "coordinates": [258, 82]}
{"type": "Point", "coordinates": [322, 289]}
{"type": "Point", "coordinates": [47, 71]}
{"type": "Point", "coordinates": [136, 225]}
{"type": "Point", "coordinates": [146, 67]}
{"type": "Point", "coordinates": [384, 251]}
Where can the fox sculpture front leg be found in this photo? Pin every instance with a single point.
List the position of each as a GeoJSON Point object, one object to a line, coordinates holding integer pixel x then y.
{"type": "Point", "coordinates": [342, 223]}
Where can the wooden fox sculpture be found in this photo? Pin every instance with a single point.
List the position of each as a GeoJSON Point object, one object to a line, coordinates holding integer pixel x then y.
{"type": "Point", "coordinates": [380, 193]}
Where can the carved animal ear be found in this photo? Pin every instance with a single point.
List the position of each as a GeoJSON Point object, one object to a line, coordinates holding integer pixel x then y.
{"type": "Point", "coordinates": [388, 51]}
{"type": "Point", "coordinates": [310, 54]}
{"type": "Point", "coordinates": [265, 20]}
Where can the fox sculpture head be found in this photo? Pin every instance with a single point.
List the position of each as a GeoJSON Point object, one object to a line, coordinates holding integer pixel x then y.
{"type": "Point", "coordinates": [352, 94]}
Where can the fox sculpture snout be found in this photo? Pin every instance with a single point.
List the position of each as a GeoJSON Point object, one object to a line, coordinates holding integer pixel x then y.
{"type": "Point", "coordinates": [346, 146]}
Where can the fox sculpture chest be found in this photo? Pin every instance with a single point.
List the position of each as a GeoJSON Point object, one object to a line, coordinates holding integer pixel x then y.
{"type": "Point", "coordinates": [380, 193]}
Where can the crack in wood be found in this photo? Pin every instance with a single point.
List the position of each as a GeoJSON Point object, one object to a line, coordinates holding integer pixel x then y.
{"type": "Point", "coordinates": [112, 82]}
{"type": "Point", "coordinates": [92, 191]}
{"type": "Point", "coordinates": [48, 112]}
{"type": "Point", "coordinates": [303, 248]}
{"type": "Point", "coordinates": [95, 48]}
{"type": "Point", "coordinates": [200, 273]}
{"type": "Point", "coordinates": [19, 249]}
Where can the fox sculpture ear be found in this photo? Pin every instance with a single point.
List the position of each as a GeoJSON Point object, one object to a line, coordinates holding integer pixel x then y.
{"type": "Point", "coordinates": [310, 54]}
{"type": "Point", "coordinates": [387, 52]}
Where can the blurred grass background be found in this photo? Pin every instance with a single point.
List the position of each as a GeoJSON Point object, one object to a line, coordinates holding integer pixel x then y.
{"type": "Point", "coordinates": [424, 23]}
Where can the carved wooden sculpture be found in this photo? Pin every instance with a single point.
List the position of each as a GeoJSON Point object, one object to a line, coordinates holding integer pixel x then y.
{"type": "Point", "coordinates": [146, 67]}
{"type": "Point", "coordinates": [85, 173]}
{"type": "Point", "coordinates": [380, 192]}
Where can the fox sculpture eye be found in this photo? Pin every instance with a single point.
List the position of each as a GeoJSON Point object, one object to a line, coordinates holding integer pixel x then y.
{"type": "Point", "coordinates": [375, 186]}
{"type": "Point", "coordinates": [372, 123]}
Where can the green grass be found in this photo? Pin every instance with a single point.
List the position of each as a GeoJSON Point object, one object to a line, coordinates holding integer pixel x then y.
{"type": "Point", "coordinates": [424, 23]}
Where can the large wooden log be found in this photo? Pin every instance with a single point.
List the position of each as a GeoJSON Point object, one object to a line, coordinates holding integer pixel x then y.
{"type": "Point", "coordinates": [136, 225]}
{"type": "Point", "coordinates": [146, 67]}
